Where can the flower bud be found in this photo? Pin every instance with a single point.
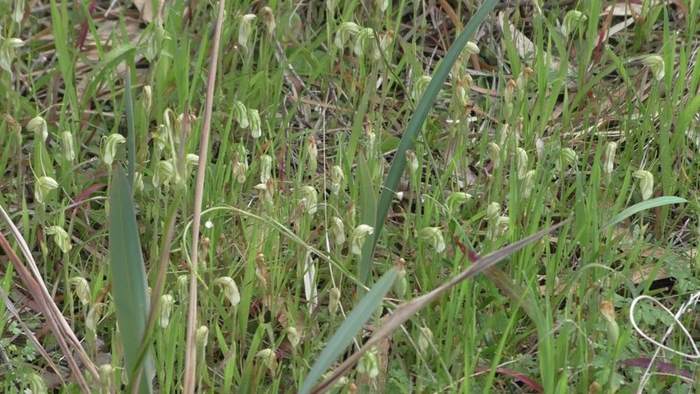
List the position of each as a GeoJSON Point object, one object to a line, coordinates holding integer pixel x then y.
{"type": "Point", "coordinates": [569, 157]}
{"type": "Point", "coordinates": [240, 164]}
{"type": "Point", "coordinates": [245, 29]}
{"type": "Point", "coordinates": [528, 182]}
{"type": "Point", "coordinates": [434, 236]}
{"type": "Point", "coordinates": [268, 18]}
{"type": "Point", "coordinates": [166, 308]}
{"type": "Point", "coordinates": [254, 119]}
{"type": "Point", "coordinates": [81, 288]}
{"type": "Point", "coordinates": [412, 160]}
{"type": "Point", "coordinates": [228, 285]}
{"type": "Point", "coordinates": [572, 20]}
{"type": "Point", "coordinates": [359, 235]}
{"type": "Point", "coordinates": [293, 336]}
{"type": "Point", "coordinates": [60, 237]}
{"type": "Point", "coordinates": [455, 199]}
{"type": "Point", "coordinates": [201, 339]}
{"type": "Point", "coordinates": [106, 372]}
{"type": "Point", "coordinates": [365, 42]}
{"type": "Point", "coordinates": [608, 311]}
{"type": "Point", "coordinates": [425, 338]}
{"type": "Point", "coordinates": [338, 230]}
{"type": "Point", "coordinates": [183, 282]}
{"type": "Point", "coordinates": [656, 64]}
{"type": "Point", "coordinates": [646, 183]}
{"type": "Point", "coordinates": [309, 200]}
{"type": "Point", "coordinates": [312, 151]}
{"type": "Point", "coordinates": [268, 359]}
{"type": "Point", "coordinates": [369, 364]}
{"type": "Point", "coordinates": [240, 114]}
{"type": "Point", "coordinates": [419, 87]}
{"type": "Point", "coordinates": [345, 31]}
{"type": "Point", "coordinates": [494, 154]}
{"type": "Point", "coordinates": [493, 210]}
{"type": "Point", "coordinates": [147, 98]}
{"type": "Point", "coordinates": [93, 317]}
{"type": "Point", "coordinates": [265, 168]}
{"type": "Point", "coordinates": [333, 300]}
{"type": "Point", "coordinates": [67, 143]}
{"type": "Point", "coordinates": [38, 126]}
{"type": "Point", "coordinates": [401, 283]}
{"type": "Point", "coordinates": [521, 162]}
{"type": "Point", "coordinates": [44, 186]}
{"type": "Point", "coordinates": [164, 173]}
{"type": "Point", "coordinates": [337, 177]}
{"type": "Point", "coordinates": [471, 48]}
{"type": "Point", "coordinates": [109, 148]}
{"type": "Point", "coordinates": [609, 157]}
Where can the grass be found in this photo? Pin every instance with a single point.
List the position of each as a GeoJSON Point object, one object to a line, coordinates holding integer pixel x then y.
{"type": "Point", "coordinates": [527, 133]}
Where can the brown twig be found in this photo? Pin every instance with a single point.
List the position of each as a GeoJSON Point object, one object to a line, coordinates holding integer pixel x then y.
{"type": "Point", "coordinates": [191, 351]}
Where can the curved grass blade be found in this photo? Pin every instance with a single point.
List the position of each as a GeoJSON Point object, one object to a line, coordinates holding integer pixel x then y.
{"type": "Point", "coordinates": [643, 206]}
{"type": "Point", "coordinates": [416, 123]}
{"type": "Point", "coordinates": [408, 309]}
{"type": "Point", "coordinates": [128, 276]}
{"type": "Point", "coordinates": [350, 327]}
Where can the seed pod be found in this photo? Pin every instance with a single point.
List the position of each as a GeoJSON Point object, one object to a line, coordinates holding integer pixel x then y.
{"type": "Point", "coordinates": [412, 160]}
{"type": "Point", "coordinates": [608, 311]}
{"type": "Point", "coordinates": [425, 338]}
{"type": "Point", "coordinates": [93, 317]}
{"type": "Point", "coordinates": [646, 183]}
{"type": "Point", "coordinates": [183, 287]}
{"type": "Point", "coordinates": [401, 283]}
{"type": "Point", "coordinates": [528, 183]}
{"type": "Point", "coordinates": [359, 235]}
{"type": "Point", "coordinates": [312, 151]}
{"type": "Point", "coordinates": [268, 18]}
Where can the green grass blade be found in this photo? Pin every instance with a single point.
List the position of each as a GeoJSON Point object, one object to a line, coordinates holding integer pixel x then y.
{"type": "Point", "coordinates": [416, 123]}
{"type": "Point", "coordinates": [131, 136]}
{"type": "Point", "coordinates": [643, 206]}
{"type": "Point", "coordinates": [128, 274]}
{"type": "Point", "coordinates": [350, 327]}
{"type": "Point", "coordinates": [368, 212]}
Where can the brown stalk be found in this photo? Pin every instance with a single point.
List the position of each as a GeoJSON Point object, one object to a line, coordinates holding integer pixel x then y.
{"type": "Point", "coordinates": [191, 350]}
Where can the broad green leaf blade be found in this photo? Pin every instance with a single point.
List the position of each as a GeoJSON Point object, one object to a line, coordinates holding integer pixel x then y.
{"type": "Point", "coordinates": [131, 133]}
{"type": "Point", "coordinates": [368, 212]}
{"type": "Point", "coordinates": [128, 275]}
{"type": "Point", "coordinates": [416, 123]}
{"type": "Point", "coordinates": [644, 205]}
{"type": "Point", "coordinates": [350, 327]}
